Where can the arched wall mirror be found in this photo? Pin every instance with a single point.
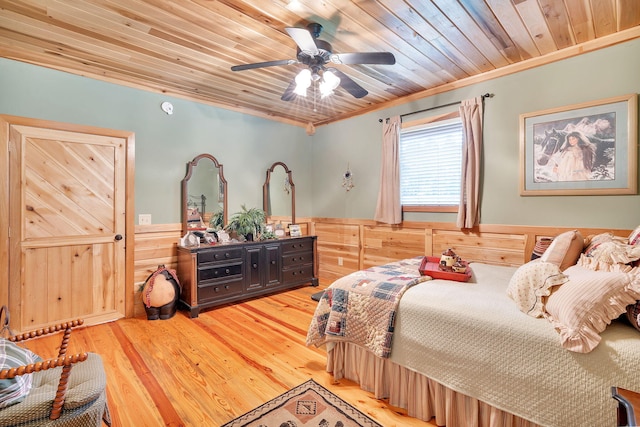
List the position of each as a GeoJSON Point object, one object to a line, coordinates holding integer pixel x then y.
{"type": "Point", "coordinates": [204, 193]}
{"type": "Point", "coordinates": [279, 192]}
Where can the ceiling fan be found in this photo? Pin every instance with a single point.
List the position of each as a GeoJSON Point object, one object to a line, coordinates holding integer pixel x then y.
{"type": "Point", "coordinates": [316, 54]}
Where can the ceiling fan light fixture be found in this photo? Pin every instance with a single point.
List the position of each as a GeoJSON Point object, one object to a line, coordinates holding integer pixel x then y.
{"type": "Point", "coordinates": [303, 81]}
{"type": "Point", "coordinates": [315, 54]}
{"type": "Point", "coordinates": [329, 83]}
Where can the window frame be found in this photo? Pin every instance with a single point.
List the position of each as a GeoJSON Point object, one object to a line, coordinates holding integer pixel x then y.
{"type": "Point", "coordinates": [422, 122]}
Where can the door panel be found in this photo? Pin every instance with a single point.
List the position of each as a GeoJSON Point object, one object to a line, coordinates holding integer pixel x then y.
{"type": "Point", "coordinates": [69, 208]}
{"type": "Point", "coordinates": [273, 267]}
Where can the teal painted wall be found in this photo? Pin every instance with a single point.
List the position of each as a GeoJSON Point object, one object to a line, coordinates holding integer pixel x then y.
{"type": "Point", "coordinates": [597, 75]}
{"type": "Point", "coordinates": [247, 145]}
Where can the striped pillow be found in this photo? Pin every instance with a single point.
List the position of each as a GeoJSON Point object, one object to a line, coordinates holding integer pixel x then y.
{"type": "Point", "coordinates": [581, 308]}
{"type": "Point", "coordinates": [14, 390]}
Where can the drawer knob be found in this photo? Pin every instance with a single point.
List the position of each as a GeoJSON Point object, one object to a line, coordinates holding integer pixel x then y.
{"type": "Point", "coordinates": [254, 265]}
{"type": "Point", "coordinates": [216, 289]}
{"type": "Point", "coordinates": [273, 262]}
{"type": "Point", "coordinates": [227, 271]}
{"type": "Point", "coordinates": [226, 287]}
{"type": "Point", "coordinates": [226, 255]}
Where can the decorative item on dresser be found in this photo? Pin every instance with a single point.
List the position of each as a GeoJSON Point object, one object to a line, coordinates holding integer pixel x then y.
{"type": "Point", "coordinates": [220, 274]}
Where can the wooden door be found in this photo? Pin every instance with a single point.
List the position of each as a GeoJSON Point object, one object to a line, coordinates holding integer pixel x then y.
{"type": "Point", "coordinates": [67, 223]}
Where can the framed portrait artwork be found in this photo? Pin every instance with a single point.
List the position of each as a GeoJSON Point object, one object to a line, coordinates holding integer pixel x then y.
{"type": "Point", "coordinates": [582, 149]}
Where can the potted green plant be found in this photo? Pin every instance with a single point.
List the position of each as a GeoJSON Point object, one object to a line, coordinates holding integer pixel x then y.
{"type": "Point", "coordinates": [217, 220]}
{"type": "Point", "coordinates": [268, 235]}
{"type": "Point", "coordinates": [247, 222]}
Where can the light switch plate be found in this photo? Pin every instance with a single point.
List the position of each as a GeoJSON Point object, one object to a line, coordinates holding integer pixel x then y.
{"type": "Point", "coordinates": [144, 219]}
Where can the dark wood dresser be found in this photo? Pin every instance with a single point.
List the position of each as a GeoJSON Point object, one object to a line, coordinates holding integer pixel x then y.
{"type": "Point", "coordinates": [221, 274]}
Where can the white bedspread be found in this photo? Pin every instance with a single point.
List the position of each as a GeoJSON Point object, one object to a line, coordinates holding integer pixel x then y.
{"type": "Point", "coordinates": [472, 338]}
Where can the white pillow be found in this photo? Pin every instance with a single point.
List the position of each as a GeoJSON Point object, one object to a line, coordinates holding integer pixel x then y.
{"type": "Point", "coordinates": [531, 284]}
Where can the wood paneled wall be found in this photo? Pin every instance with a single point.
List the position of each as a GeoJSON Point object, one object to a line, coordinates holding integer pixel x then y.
{"type": "Point", "coordinates": [348, 245]}
{"type": "Point", "coordinates": [154, 245]}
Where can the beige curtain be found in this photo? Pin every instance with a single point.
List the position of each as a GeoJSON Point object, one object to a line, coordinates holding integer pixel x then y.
{"type": "Point", "coordinates": [388, 209]}
{"type": "Point", "coordinates": [471, 116]}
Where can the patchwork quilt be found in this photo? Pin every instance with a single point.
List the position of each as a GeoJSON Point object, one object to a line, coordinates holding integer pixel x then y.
{"type": "Point", "coordinates": [361, 307]}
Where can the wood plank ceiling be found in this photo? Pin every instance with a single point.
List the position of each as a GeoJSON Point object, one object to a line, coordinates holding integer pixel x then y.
{"type": "Point", "coordinates": [185, 48]}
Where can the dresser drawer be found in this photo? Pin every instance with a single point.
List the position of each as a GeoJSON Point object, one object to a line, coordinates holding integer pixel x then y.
{"type": "Point", "coordinates": [295, 258]}
{"type": "Point", "coordinates": [220, 271]}
{"type": "Point", "coordinates": [219, 255]}
{"type": "Point", "coordinates": [299, 273]}
{"type": "Point", "coordinates": [297, 245]}
{"type": "Point", "coordinates": [219, 289]}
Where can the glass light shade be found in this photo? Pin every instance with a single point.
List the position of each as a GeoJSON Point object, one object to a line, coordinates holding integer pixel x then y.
{"type": "Point", "coordinates": [303, 81]}
{"type": "Point", "coordinates": [329, 82]}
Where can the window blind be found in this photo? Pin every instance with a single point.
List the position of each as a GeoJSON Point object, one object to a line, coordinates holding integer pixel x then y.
{"type": "Point", "coordinates": [431, 164]}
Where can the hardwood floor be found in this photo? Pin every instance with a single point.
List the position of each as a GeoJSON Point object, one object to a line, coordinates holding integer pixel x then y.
{"type": "Point", "coordinates": [211, 369]}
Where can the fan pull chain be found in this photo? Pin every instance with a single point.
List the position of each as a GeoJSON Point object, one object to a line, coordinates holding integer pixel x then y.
{"type": "Point", "coordinates": [315, 96]}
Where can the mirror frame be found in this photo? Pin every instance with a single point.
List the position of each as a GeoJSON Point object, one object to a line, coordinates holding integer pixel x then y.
{"type": "Point", "coordinates": [190, 165]}
{"type": "Point", "coordinates": [265, 191]}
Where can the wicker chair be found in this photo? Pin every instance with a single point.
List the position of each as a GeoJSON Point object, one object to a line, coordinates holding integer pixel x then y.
{"type": "Point", "coordinates": [60, 396]}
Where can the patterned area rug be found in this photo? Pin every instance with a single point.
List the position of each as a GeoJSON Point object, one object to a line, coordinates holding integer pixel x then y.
{"type": "Point", "coordinates": [308, 404]}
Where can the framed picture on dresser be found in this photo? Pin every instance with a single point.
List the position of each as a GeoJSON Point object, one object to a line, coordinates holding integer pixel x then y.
{"type": "Point", "coordinates": [294, 230]}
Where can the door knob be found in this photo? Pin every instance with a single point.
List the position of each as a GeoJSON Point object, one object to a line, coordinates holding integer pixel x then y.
{"type": "Point", "coordinates": [118, 237]}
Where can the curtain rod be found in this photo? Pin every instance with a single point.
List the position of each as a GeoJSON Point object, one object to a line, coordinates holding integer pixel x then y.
{"type": "Point", "coordinates": [486, 95]}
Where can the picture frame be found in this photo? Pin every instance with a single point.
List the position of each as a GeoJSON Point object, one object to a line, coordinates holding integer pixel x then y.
{"type": "Point", "coordinates": [582, 149]}
{"type": "Point", "coordinates": [294, 230]}
{"type": "Point", "coordinates": [223, 236]}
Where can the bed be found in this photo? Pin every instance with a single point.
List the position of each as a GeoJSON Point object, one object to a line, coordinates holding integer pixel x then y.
{"type": "Point", "coordinates": [465, 354]}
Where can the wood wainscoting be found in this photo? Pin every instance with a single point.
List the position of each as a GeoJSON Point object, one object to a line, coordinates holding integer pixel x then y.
{"type": "Point", "coordinates": [348, 245]}
{"type": "Point", "coordinates": [155, 245]}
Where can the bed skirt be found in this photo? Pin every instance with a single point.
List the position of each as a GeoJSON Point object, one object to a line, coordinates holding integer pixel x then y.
{"type": "Point", "coordinates": [422, 397]}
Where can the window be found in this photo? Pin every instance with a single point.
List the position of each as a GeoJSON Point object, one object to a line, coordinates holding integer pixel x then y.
{"type": "Point", "coordinates": [431, 166]}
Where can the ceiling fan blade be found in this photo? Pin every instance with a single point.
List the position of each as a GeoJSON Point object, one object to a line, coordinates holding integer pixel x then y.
{"type": "Point", "coordinates": [304, 40]}
{"type": "Point", "coordinates": [289, 93]}
{"type": "Point", "coordinates": [349, 85]}
{"type": "Point", "coordinates": [385, 58]}
{"type": "Point", "coordinates": [263, 64]}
